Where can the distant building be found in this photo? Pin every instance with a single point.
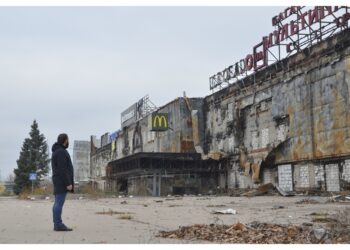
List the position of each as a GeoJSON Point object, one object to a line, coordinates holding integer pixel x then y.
{"type": "Point", "coordinates": [100, 154]}
{"type": "Point", "coordinates": [9, 186]}
{"type": "Point", "coordinates": [81, 161]}
{"type": "Point", "coordinates": [157, 155]}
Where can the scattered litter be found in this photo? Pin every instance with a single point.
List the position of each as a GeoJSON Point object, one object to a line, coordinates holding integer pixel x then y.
{"type": "Point", "coordinates": [47, 198]}
{"type": "Point", "coordinates": [277, 207]}
{"type": "Point", "coordinates": [319, 233]}
{"type": "Point", "coordinates": [173, 205]}
{"type": "Point", "coordinates": [145, 205]}
{"type": "Point", "coordinates": [324, 219]}
{"type": "Point", "coordinates": [111, 212]}
{"type": "Point", "coordinates": [339, 198]}
{"type": "Point", "coordinates": [319, 214]}
{"type": "Point", "coordinates": [131, 196]}
{"type": "Point", "coordinates": [81, 198]}
{"type": "Point", "coordinates": [202, 199]}
{"type": "Point", "coordinates": [216, 205]}
{"type": "Point", "coordinates": [225, 211]}
{"type": "Point", "coordinates": [120, 196]}
{"type": "Point", "coordinates": [125, 217]}
{"type": "Point", "coordinates": [32, 198]}
{"type": "Point", "coordinates": [240, 233]}
{"type": "Point", "coordinates": [307, 224]}
{"type": "Point", "coordinates": [124, 202]}
{"type": "Point", "coordinates": [309, 201]}
{"type": "Point", "coordinates": [258, 233]}
{"type": "Point", "coordinates": [158, 201]}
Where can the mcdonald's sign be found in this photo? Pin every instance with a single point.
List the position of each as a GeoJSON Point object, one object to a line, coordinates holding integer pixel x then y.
{"type": "Point", "coordinates": [159, 122]}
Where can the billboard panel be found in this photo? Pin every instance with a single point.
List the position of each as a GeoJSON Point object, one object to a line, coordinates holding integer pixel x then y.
{"type": "Point", "coordinates": [129, 115]}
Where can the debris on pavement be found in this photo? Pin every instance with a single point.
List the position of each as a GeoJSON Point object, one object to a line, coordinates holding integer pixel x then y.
{"type": "Point", "coordinates": [124, 202]}
{"type": "Point", "coordinates": [173, 205]}
{"type": "Point", "coordinates": [225, 211]}
{"type": "Point", "coordinates": [219, 205]}
{"type": "Point", "coordinates": [277, 207]}
{"type": "Point", "coordinates": [111, 212]}
{"type": "Point", "coordinates": [319, 233]}
{"type": "Point", "coordinates": [323, 218]}
{"type": "Point", "coordinates": [284, 193]}
{"type": "Point", "coordinates": [261, 190]}
{"type": "Point", "coordinates": [307, 224]}
{"type": "Point", "coordinates": [202, 199]}
{"type": "Point", "coordinates": [313, 200]}
{"type": "Point", "coordinates": [125, 217]}
{"type": "Point", "coordinates": [339, 198]}
{"type": "Point", "coordinates": [256, 233]}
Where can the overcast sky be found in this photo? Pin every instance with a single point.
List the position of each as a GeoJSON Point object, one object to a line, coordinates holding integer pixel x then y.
{"type": "Point", "coordinates": [75, 69]}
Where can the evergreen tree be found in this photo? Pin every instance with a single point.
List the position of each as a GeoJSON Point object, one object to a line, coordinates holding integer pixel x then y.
{"type": "Point", "coordinates": [33, 158]}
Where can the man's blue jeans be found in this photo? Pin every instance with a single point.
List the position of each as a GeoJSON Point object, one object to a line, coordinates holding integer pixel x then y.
{"type": "Point", "coordinates": [57, 209]}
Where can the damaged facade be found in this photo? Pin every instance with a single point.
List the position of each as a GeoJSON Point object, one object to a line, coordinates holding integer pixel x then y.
{"type": "Point", "coordinates": [288, 124]}
{"type": "Point", "coordinates": [144, 162]}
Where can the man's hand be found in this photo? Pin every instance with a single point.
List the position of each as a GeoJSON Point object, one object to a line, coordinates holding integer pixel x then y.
{"type": "Point", "coordinates": [69, 188]}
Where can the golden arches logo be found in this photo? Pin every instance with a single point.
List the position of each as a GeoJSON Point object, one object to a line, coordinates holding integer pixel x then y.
{"type": "Point", "coordinates": [160, 119]}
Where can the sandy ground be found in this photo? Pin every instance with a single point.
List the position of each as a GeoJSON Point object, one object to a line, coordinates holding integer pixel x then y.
{"type": "Point", "coordinates": [26, 221]}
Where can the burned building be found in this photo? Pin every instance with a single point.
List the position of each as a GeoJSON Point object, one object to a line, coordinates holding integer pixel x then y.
{"type": "Point", "coordinates": [287, 123]}
{"type": "Point", "coordinates": [158, 155]}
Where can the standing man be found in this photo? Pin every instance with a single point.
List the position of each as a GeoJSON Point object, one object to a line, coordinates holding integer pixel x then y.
{"type": "Point", "coordinates": [62, 178]}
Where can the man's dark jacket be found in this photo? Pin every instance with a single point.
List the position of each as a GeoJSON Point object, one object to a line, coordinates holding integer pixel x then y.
{"type": "Point", "coordinates": [62, 169]}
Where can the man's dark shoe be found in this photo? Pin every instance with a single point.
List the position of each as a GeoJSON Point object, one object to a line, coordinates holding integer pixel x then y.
{"type": "Point", "coordinates": [62, 228]}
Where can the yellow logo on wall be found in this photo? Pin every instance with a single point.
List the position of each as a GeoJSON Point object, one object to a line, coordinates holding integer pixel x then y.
{"type": "Point", "coordinates": [159, 122]}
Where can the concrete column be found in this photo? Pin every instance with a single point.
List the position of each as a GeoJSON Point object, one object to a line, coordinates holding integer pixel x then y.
{"type": "Point", "coordinates": [285, 177]}
{"type": "Point", "coordinates": [332, 177]}
{"type": "Point", "coordinates": [320, 177]}
{"type": "Point", "coordinates": [346, 171]}
{"type": "Point", "coordinates": [301, 176]}
{"type": "Point", "coordinates": [154, 186]}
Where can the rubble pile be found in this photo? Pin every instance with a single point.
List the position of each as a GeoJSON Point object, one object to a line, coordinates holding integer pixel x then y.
{"type": "Point", "coordinates": [309, 200]}
{"type": "Point", "coordinates": [340, 198]}
{"type": "Point", "coordinates": [255, 233]}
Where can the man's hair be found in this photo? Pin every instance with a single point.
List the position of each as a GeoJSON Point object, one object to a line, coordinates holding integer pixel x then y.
{"type": "Point", "coordinates": [62, 138]}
